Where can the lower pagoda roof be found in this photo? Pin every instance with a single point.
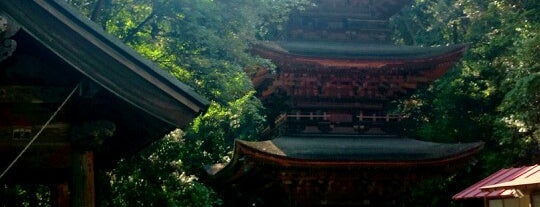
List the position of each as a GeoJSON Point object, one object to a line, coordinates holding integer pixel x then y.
{"type": "Point", "coordinates": [348, 151]}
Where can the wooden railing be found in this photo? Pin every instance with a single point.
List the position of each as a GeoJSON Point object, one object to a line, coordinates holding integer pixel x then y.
{"type": "Point", "coordinates": [375, 117]}
{"type": "Point", "coordinates": [324, 116]}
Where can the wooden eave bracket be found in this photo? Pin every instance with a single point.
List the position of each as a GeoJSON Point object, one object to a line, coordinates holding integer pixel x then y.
{"type": "Point", "coordinates": [8, 28]}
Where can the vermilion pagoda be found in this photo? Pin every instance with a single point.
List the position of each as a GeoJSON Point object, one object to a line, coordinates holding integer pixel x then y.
{"type": "Point", "coordinates": [337, 73]}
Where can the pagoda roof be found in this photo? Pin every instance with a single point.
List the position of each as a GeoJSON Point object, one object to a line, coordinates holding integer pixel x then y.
{"type": "Point", "coordinates": [380, 9]}
{"type": "Point", "coordinates": [358, 51]}
{"type": "Point", "coordinates": [348, 151]}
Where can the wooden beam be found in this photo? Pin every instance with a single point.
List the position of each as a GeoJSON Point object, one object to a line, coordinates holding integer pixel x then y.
{"type": "Point", "coordinates": [56, 132]}
{"type": "Point", "coordinates": [39, 156]}
{"type": "Point", "coordinates": [32, 94]}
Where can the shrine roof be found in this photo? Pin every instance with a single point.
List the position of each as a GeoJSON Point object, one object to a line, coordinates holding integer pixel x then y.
{"type": "Point", "coordinates": [107, 61]}
{"type": "Point", "coordinates": [144, 101]}
{"type": "Point", "coordinates": [352, 50]}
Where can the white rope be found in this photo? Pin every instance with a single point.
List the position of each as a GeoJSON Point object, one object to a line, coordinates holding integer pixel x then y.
{"type": "Point", "coordinates": [39, 132]}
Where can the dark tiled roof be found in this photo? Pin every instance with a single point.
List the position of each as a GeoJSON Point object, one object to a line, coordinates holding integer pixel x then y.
{"type": "Point", "coordinates": [144, 101]}
{"type": "Point", "coordinates": [353, 50]}
{"type": "Point", "coordinates": [105, 60]}
{"type": "Point", "coordinates": [354, 148]}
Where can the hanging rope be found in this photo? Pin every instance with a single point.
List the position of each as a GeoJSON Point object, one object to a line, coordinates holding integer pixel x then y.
{"type": "Point", "coordinates": [39, 132]}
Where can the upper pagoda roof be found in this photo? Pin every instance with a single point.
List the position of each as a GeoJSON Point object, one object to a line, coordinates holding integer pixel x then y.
{"type": "Point", "coordinates": [380, 9]}
{"type": "Point", "coordinates": [358, 51]}
{"type": "Point", "coordinates": [358, 70]}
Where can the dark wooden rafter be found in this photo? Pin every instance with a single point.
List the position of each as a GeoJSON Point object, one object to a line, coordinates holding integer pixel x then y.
{"type": "Point", "coordinates": [351, 187]}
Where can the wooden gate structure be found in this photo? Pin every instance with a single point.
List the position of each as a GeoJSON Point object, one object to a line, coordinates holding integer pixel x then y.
{"type": "Point", "coordinates": [78, 99]}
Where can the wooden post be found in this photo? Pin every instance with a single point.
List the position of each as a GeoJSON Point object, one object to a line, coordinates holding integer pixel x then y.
{"type": "Point", "coordinates": [86, 137]}
{"type": "Point", "coordinates": [82, 185]}
{"type": "Point", "coordinates": [60, 195]}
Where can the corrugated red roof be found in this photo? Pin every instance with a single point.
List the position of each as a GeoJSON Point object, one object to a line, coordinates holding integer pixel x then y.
{"type": "Point", "coordinates": [529, 180]}
{"type": "Point", "coordinates": [501, 176]}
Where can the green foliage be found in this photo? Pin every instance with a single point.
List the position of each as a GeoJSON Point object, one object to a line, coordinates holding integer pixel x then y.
{"type": "Point", "coordinates": [205, 44]}
{"type": "Point", "coordinates": [156, 178]}
{"type": "Point", "coordinates": [25, 195]}
{"type": "Point", "coordinates": [210, 139]}
{"type": "Point", "coordinates": [464, 105]}
{"type": "Point", "coordinates": [492, 94]}
{"type": "Point", "coordinates": [168, 172]}
{"type": "Point", "coordinates": [518, 125]}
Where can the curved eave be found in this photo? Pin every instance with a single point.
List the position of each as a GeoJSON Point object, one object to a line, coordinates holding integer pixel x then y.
{"type": "Point", "coordinates": [270, 158]}
{"type": "Point", "coordinates": [357, 55]}
{"type": "Point", "coordinates": [246, 157]}
{"type": "Point", "coordinates": [106, 61]}
{"type": "Point", "coordinates": [381, 9]}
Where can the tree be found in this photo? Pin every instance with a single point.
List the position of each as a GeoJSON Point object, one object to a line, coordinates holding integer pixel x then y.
{"type": "Point", "coordinates": [491, 95]}
{"type": "Point", "coordinates": [155, 177]}
{"type": "Point", "coordinates": [204, 43]}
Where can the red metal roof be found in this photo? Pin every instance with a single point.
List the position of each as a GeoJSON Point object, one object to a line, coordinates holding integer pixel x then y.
{"type": "Point", "coordinates": [529, 180]}
{"type": "Point", "coordinates": [501, 176]}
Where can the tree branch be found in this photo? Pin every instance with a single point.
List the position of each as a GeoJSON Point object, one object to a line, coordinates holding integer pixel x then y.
{"type": "Point", "coordinates": [96, 12]}
{"type": "Point", "coordinates": [134, 31]}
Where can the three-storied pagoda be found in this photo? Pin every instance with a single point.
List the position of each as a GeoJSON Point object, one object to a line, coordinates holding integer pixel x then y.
{"type": "Point", "coordinates": [337, 73]}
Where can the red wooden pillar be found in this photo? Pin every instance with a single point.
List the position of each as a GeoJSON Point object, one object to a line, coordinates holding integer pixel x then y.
{"type": "Point", "coordinates": [60, 195]}
{"type": "Point", "coordinates": [82, 185]}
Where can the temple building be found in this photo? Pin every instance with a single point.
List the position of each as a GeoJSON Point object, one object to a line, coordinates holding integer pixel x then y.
{"type": "Point", "coordinates": [335, 139]}
{"type": "Point", "coordinates": [74, 100]}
